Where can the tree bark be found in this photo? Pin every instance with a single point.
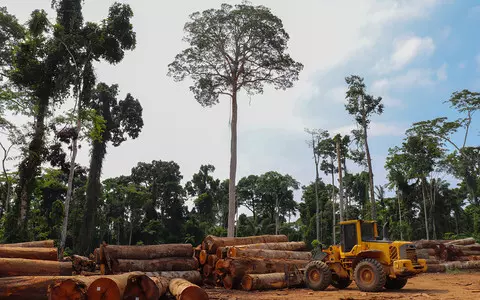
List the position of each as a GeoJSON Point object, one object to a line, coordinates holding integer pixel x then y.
{"type": "Point", "coordinates": [35, 244]}
{"type": "Point", "coordinates": [148, 251]}
{"type": "Point", "coordinates": [185, 290]}
{"type": "Point", "coordinates": [287, 246]}
{"type": "Point", "coordinates": [369, 162]}
{"type": "Point", "coordinates": [251, 282]}
{"type": "Point", "coordinates": [271, 254]}
{"type": "Point", "coordinates": [27, 287]}
{"type": "Point", "coordinates": [213, 242]}
{"type": "Point", "coordinates": [233, 167]}
{"type": "Point", "coordinates": [467, 241]}
{"type": "Point", "coordinates": [340, 181]}
{"type": "Point", "coordinates": [30, 267]}
{"type": "Point", "coordinates": [29, 253]}
{"type": "Point", "coordinates": [317, 203]}
{"type": "Point", "coordinates": [7, 180]}
{"type": "Point", "coordinates": [192, 276]}
{"type": "Point", "coordinates": [400, 214]}
{"type": "Point", "coordinates": [154, 265]}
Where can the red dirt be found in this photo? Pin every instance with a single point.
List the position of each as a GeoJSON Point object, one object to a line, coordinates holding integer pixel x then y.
{"type": "Point", "coordinates": [425, 286]}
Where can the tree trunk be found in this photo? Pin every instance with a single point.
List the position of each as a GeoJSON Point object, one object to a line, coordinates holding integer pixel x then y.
{"type": "Point", "coordinates": [148, 251]}
{"type": "Point", "coordinates": [213, 242]}
{"type": "Point", "coordinates": [425, 208]}
{"type": "Point", "coordinates": [271, 254]}
{"type": "Point", "coordinates": [340, 181]}
{"type": "Point", "coordinates": [287, 246]}
{"type": "Point", "coordinates": [251, 282]}
{"type": "Point", "coordinates": [233, 167]}
{"type": "Point", "coordinates": [370, 173]}
{"type": "Point", "coordinates": [87, 231]}
{"type": "Point", "coordinates": [29, 253]}
{"type": "Point", "coordinates": [400, 214]}
{"type": "Point", "coordinates": [27, 287]}
{"type": "Point", "coordinates": [7, 180]}
{"type": "Point", "coordinates": [277, 213]}
{"type": "Point", "coordinates": [154, 265]}
{"type": "Point", "coordinates": [317, 203]}
{"type": "Point", "coordinates": [185, 290]}
{"type": "Point", "coordinates": [35, 244]}
{"type": "Point", "coordinates": [192, 276]}
{"type": "Point", "coordinates": [30, 267]}
{"type": "Point", "coordinates": [68, 198]}
{"type": "Point", "coordinates": [28, 171]}
{"type": "Point", "coordinates": [334, 238]}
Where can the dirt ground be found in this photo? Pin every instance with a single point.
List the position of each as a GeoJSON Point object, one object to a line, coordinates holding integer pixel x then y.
{"type": "Point", "coordinates": [424, 286]}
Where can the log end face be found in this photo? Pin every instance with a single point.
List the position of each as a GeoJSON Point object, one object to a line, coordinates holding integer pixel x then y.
{"type": "Point", "coordinates": [193, 293]}
{"type": "Point", "coordinates": [247, 283]}
{"type": "Point", "coordinates": [103, 289]}
{"type": "Point", "coordinates": [141, 288]}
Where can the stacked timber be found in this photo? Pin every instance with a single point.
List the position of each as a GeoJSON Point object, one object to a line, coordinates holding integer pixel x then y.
{"type": "Point", "coordinates": [115, 259]}
{"type": "Point", "coordinates": [255, 262]}
{"type": "Point", "coordinates": [443, 255]}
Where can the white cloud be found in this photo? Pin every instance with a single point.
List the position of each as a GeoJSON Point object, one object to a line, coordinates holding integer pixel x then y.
{"type": "Point", "coordinates": [406, 49]}
{"type": "Point", "coordinates": [377, 129]}
{"type": "Point", "coordinates": [442, 73]}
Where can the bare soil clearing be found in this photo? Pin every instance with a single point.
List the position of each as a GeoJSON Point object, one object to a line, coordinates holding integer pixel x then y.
{"type": "Point", "coordinates": [424, 286]}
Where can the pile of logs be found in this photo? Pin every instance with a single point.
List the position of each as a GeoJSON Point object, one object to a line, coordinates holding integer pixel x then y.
{"type": "Point", "coordinates": [115, 259]}
{"type": "Point", "coordinates": [32, 259]}
{"type": "Point", "coordinates": [252, 263]}
{"type": "Point", "coordinates": [443, 255]}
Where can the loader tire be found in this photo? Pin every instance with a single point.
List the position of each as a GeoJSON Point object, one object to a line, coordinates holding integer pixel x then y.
{"type": "Point", "coordinates": [340, 283]}
{"type": "Point", "coordinates": [317, 275]}
{"type": "Point", "coordinates": [369, 275]}
{"type": "Point", "coordinates": [395, 283]}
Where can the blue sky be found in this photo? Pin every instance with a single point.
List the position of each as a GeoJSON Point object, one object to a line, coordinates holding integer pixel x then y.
{"type": "Point", "coordinates": [413, 53]}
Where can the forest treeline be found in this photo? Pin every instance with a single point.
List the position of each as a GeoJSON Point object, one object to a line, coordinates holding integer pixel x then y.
{"type": "Point", "coordinates": [47, 76]}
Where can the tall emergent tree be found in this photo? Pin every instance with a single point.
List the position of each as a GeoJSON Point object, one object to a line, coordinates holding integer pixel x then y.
{"type": "Point", "coordinates": [234, 48]}
{"type": "Point", "coordinates": [362, 106]}
{"type": "Point", "coordinates": [122, 118]}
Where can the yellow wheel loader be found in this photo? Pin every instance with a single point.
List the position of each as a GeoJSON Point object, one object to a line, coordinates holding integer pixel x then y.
{"type": "Point", "coordinates": [374, 264]}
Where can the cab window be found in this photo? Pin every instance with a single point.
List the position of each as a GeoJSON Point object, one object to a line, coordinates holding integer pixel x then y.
{"type": "Point", "coordinates": [349, 237]}
{"type": "Point", "coordinates": [368, 233]}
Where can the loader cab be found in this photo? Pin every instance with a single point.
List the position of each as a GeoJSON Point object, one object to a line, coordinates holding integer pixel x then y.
{"type": "Point", "coordinates": [354, 232]}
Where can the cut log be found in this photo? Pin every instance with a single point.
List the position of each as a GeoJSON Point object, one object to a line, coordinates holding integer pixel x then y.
{"type": "Point", "coordinates": [27, 287]}
{"type": "Point", "coordinates": [467, 241]}
{"type": "Point", "coordinates": [432, 261]}
{"type": "Point", "coordinates": [96, 254]}
{"type": "Point", "coordinates": [202, 259]}
{"type": "Point", "coordinates": [155, 265]}
{"type": "Point", "coordinates": [439, 268]}
{"type": "Point", "coordinates": [425, 253]}
{"type": "Point", "coordinates": [35, 244]}
{"type": "Point", "coordinates": [425, 244]}
{"type": "Point", "coordinates": [213, 242]}
{"type": "Point", "coordinates": [32, 267]}
{"type": "Point", "coordinates": [185, 290]}
{"type": "Point", "coordinates": [228, 282]}
{"type": "Point", "coordinates": [251, 282]}
{"type": "Point", "coordinates": [82, 263]}
{"type": "Point", "coordinates": [161, 283]}
{"type": "Point", "coordinates": [110, 287]}
{"type": "Point", "coordinates": [192, 276]}
{"type": "Point", "coordinates": [148, 252]}
{"type": "Point", "coordinates": [29, 253]}
{"type": "Point", "coordinates": [286, 246]}
{"type": "Point", "coordinates": [207, 270]}
{"type": "Point", "coordinates": [238, 267]}
{"type": "Point", "coordinates": [462, 265]}
{"type": "Point", "coordinates": [273, 254]}
{"type": "Point", "coordinates": [141, 287]}
{"type": "Point", "coordinates": [212, 260]}
{"type": "Point", "coordinates": [71, 288]}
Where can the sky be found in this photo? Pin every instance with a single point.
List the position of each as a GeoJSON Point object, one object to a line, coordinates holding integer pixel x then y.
{"type": "Point", "coordinates": [413, 53]}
